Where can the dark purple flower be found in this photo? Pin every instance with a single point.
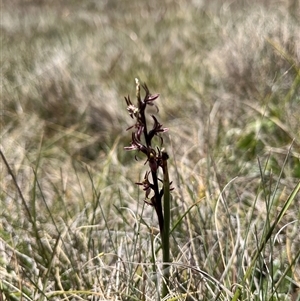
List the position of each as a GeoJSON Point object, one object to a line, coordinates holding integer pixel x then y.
{"type": "Point", "coordinates": [147, 186]}
{"type": "Point", "coordinates": [139, 130]}
{"type": "Point", "coordinates": [149, 98]}
{"type": "Point", "coordinates": [157, 128]}
{"type": "Point", "coordinates": [153, 161]}
{"type": "Point", "coordinates": [136, 145]}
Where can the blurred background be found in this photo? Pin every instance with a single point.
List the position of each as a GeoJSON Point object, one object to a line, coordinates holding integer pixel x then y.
{"type": "Point", "coordinates": [227, 72]}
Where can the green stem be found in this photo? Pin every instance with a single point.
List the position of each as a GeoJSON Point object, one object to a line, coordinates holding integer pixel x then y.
{"type": "Point", "coordinates": [166, 232]}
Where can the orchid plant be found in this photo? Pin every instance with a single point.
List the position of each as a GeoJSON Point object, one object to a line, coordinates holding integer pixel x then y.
{"type": "Point", "coordinates": [156, 190]}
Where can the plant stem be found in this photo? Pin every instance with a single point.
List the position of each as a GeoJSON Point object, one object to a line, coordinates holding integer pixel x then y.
{"type": "Point", "coordinates": [157, 205]}
{"type": "Point", "coordinates": [156, 160]}
{"type": "Point", "coordinates": [166, 232]}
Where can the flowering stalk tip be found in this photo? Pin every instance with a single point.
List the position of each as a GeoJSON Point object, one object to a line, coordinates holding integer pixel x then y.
{"type": "Point", "coordinates": [142, 141]}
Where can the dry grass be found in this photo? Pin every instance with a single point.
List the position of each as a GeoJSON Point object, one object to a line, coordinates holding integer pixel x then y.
{"type": "Point", "coordinates": [229, 79]}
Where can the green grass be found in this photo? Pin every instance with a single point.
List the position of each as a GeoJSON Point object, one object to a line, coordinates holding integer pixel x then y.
{"type": "Point", "coordinates": [73, 225]}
